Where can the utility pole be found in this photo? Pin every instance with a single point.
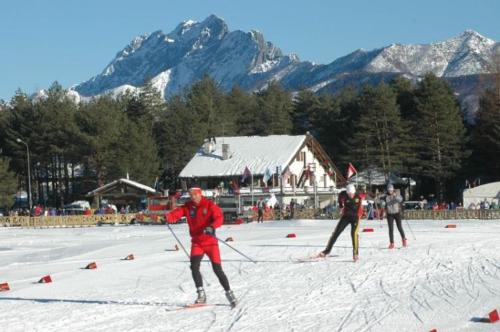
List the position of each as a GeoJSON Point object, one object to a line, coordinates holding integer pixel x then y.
{"type": "Point", "coordinates": [30, 201]}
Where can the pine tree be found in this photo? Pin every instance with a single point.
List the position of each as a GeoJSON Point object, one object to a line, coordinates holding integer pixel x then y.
{"type": "Point", "coordinates": [181, 133]}
{"type": "Point", "coordinates": [135, 154]}
{"type": "Point", "coordinates": [379, 138]}
{"type": "Point", "coordinates": [244, 107]}
{"type": "Point", "coordinates": [8, 184]}
{"type": "Point", "coordinates": [275, 108]}
{"type": "Point", "coordinates": [486, 136]}
{"type": "Point", "coordinates": [405, 94]}
{"type": "Point", "coordinates": [439, 132]}
{"type": "Point", "coordinates": [114, 144]}
{"type": "Point", "coordinates": [144, 106]}
{"type": "Point", "coordinates": [20, 122]}
{"type": "Point", "coordinates": [208, 103]}
{"type": "Point", "coordinates": [101, 122]}
{"type": "Point", "coordinates": [306, 109]}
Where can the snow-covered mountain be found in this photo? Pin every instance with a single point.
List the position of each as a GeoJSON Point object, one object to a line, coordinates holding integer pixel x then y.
{"type": "Point", "coordinates": [175, 60]}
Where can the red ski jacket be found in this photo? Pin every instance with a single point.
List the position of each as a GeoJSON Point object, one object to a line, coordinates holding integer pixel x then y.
{"type": "Point", "coordinates": [205, 214]}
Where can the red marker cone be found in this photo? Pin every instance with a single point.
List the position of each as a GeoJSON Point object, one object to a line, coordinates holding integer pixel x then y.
{"type": "Point", "coordinates": [91, 266]}
{"type": "Point", "coordinates": [4, 287]}
{"type": "Point", "coordinates": [368, 230]}
{"type": "Point", "coordinates": [493, 316]}
{"type": "Point", "coordinates": [229, 239]}
{"type": "Point", "coordinates": [433, 330]}
{"type": "Point", "coordinates": [45, 280]}
{"type": "Point", "coordinates": [450, 226]}
{"type": "Point", "coordinates": [291, 235]}
{"type": "Point", "coordinates": [129, 258]}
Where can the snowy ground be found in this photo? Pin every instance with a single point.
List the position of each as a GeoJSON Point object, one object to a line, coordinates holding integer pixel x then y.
{"type": "Point", "coordinates": [446, 279]}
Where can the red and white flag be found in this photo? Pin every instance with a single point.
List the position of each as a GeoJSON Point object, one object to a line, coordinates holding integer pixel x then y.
{"type": "Point", "coordinates": [351, 171]}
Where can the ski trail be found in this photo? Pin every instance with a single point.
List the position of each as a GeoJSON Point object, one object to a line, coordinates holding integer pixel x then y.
{"type": "Point", "coordinates": [346, 319]}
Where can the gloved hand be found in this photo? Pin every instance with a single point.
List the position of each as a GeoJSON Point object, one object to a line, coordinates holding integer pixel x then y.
{"type": "Point", "coordinates": [209, 230]}
{"type": "Point", "coordinates": [169, 219]}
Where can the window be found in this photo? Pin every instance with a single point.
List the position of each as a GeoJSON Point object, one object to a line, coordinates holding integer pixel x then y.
{"type": "Point", "coordinates": [301, 156]}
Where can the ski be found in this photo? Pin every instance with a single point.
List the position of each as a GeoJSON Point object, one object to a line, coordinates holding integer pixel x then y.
{"type": "Point", "coordinates": [198, 306]}
{"type": "Point", "coordinates": [310, 259]}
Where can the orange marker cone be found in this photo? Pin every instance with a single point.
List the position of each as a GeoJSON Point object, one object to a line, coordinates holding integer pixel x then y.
{"type": "Point", "coordinates": [368, 230]}
{"type": "Point", "coordinates": [45, 280]}
{"type": "Point", "coordinates": [450, 226]}
{"type": "Point", "coordinates": [493, 316]}
{"type": "Point", "coordinates": [91, 266]}
{"type": "Point", "coordinates": [4, 287]}
{"type": "Point", "coordinates": [291, 235]}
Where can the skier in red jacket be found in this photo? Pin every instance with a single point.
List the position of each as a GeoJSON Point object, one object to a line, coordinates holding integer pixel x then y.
{"type": "Point", "coordinates": [203, 217]}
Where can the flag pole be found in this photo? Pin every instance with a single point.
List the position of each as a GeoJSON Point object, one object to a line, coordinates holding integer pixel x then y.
{"type": "Point", "coordinates": [251, 185]}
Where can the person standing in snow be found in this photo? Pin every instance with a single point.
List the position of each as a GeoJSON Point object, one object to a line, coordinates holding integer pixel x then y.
{"type": "Point", "coordinates": [352, 209]}
{"type": "Point", "coordinates": [292, 208]}
{"type": "Point", "coordinates": [261, 205]}
{"type": "Point", "coordinates": [393, 202]}
{"type": "Point", "coordinates": [203, 217]}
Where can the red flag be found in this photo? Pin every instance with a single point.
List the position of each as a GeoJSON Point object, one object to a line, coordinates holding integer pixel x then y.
{"type": "Point", "coordinates": [351, 171]}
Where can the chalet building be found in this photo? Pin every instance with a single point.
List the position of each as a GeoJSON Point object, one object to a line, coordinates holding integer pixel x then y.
{"type": "Point", "coordinates": [121, 192]}
{"type": "Point", "coordinates": [288, 166]}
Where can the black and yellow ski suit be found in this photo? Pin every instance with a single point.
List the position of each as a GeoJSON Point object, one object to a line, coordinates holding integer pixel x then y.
{"type": "Point", "coordinates": [352, 211]}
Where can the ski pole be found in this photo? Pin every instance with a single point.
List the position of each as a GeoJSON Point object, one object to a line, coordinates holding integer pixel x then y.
{"type": "Point", "coordinates": [178, 241]}
{"type": "Point", "coordinates": [184, 249]}
{"type": "Point", "coordinates": [411, 230]}
{"type": "Point", "coordinates": [239, 252]}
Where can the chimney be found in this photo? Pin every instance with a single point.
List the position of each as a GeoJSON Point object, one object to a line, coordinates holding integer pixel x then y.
{"type": "Point", "coordinates": [225, 151]}
{"type": "Point", "coordinates": [208, 145]}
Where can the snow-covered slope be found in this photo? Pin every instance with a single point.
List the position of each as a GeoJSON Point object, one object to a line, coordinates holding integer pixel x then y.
{"type": "Point", "coordinates": [446, 279]}
{"type": "Point", "coordinates": [193, 49]}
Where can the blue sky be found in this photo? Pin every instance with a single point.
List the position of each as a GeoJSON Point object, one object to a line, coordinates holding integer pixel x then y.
{"type": "Point", "coordinates": [70, 41]}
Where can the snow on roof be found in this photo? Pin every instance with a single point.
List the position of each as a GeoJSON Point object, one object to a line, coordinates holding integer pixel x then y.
{"type": "Point", "coordinates": [126, 181]}
{"type": "Point", "coordinates": [487, 190]}
{"type": "Point", "coordinates": [377, 177]}
{"type": "Point", "coordinates": [258, 153]}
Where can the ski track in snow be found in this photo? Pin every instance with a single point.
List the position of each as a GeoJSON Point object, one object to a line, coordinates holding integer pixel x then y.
{"type": "Point", "coordinates": [443, 280]}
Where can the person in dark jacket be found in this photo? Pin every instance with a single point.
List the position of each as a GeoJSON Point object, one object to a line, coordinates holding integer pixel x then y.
{"type": "Point", "coordinates": [261, 205]}
{"type": "Point", "coordinates": [352, 210]}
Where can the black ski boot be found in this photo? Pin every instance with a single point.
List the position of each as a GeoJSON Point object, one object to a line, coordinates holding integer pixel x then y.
{"type": "Point", "coordinates": [202, 297]}
{"type": "Point", "coordinates": [231, 298]}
